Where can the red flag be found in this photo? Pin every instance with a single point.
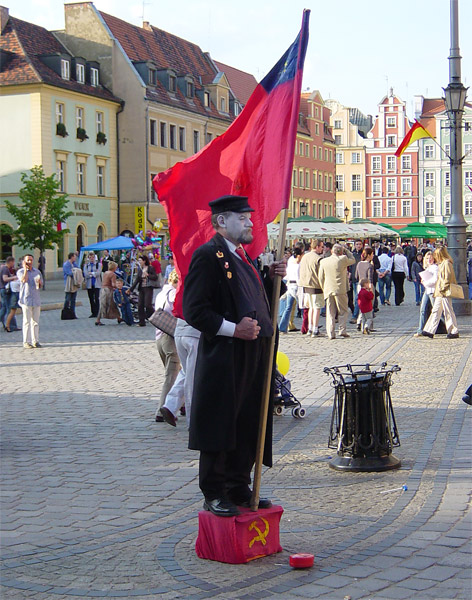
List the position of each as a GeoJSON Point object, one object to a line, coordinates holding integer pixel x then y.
{"type": "Point", "coordinates": [253, 158]}
{"type": "Point", "coordinates": [61, 226]}
{"type": "Point", "coordinates": [416, 132]}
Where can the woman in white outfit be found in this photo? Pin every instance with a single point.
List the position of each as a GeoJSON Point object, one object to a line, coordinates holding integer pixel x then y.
{"type": "Point", "coordinates": [442, 302]}
{"type": "Point", "coordinates": [399, 274]}
{"type": "Point", "coordinates": [165, 343]}
{"type": "Point", "coordinates": [428, 278]}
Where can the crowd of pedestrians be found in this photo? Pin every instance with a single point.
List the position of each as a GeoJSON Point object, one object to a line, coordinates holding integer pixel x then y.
{"type": "Point", "coordinates": [325, 280]}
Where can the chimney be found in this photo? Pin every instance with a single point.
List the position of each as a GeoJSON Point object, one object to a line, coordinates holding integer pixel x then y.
{"type": "Point", "coordinates": [4, 16]}
{"type": "Point", "coordinates": [147, 26]}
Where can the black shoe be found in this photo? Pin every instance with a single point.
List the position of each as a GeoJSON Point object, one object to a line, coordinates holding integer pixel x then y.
{"type": "Point", "coordinates": [168, 416]}
{"type": "Point", "coordinates": [159, 419]}
{"type": "Point", "coordinates": [427, 334]}
{"type": "Point", "coordinates": [294, 329]}
{"type": "Point", "coordinates": [263, 503]}
{"type": "Point", "coordinates": [92, 316]}
{"type": "Point", "coordinates": [452, 336]}
{"type": "Point", "coordinates": [221, 507]}
{"type": "Point", "coordinates": [359, 326]}
{"type": "Point", "coordinates": [244, 499]}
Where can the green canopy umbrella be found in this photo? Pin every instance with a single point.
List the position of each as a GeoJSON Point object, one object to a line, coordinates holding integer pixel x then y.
{"type": "Point", "coordinates": [332, 220]}
{"type": "Point", "coordinates": [439, 228]}
{"type": "Point", "coordinates": [359, 220]}
{"type": "Point", "coordinates": [416, 231]}
{"type": "Point", "coordinates": [303, 218]}
{"type": "Point", "coordinates": [388, 227]}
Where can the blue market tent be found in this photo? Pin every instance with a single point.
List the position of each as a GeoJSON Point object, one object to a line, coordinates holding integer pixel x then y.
{"type": "Point", "coordinates": [117, 243]}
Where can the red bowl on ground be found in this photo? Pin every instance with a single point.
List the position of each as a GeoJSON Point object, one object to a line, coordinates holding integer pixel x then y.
{"type": "Point", "coordinates": [302, 561]}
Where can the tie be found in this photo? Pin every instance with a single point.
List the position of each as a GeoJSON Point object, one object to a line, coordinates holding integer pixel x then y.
{"type": "Point", "coordinates": [240, 252]}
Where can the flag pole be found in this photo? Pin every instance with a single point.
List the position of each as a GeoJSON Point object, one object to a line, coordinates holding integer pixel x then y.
{"type": "Point", "coordinates": [268, 367]}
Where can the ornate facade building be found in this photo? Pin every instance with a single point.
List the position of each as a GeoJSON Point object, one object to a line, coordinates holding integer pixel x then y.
{"type": "Point", "coordinates": [350, 127]}
{"type": "Point", "coordinates": [391, 182]}
{"type": "Point", "coordinates": [433, 163]}
{"type": "Point", "coordinates": [56, 112]}
{"type": "Point", "coordinates": [314, 167]}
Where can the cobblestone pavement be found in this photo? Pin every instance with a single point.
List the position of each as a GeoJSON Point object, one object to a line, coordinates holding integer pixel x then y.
{"type": "Point", "coordinates": [98, 500]}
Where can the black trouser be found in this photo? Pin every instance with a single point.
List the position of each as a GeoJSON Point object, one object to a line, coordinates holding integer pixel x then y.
{"type": "Point", "coordinates": [398, 278]}
{"type": "Point", "coordinates": [94, 295]}
{"type": "Point", "coordinates": [229, 472]}
{"type": "Point", "coordinates": [145, 308]}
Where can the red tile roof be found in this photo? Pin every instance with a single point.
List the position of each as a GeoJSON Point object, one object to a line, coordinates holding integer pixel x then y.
{"type": "Point", "coordinates": [432, 106]}
{"type": "Point", "coordinates": [242, 83]}
{"type": "Point", "coordinates": [164, 49]}
{"type": "Point", "coordinates": [23, 44]}
{"type": "Point", "coordinates": [167, 51]}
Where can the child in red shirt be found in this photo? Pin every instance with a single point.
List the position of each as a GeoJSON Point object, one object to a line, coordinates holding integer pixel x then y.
{"type": "Point", "coordinates": [365, 299]}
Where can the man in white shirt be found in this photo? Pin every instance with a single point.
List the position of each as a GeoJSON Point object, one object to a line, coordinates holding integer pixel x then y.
{"type": "Point", "coordinates": [385, 277]}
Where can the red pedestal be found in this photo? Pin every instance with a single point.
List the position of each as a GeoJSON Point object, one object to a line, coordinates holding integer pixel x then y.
{"type": "Point", "coordinates": [239, 539]}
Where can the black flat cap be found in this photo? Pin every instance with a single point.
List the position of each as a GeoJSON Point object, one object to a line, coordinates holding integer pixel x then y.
{"type": "Point", "coordinates": [230, 203]}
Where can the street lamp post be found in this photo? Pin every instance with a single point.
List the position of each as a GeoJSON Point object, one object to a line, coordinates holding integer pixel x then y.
{"type": "Point", "coordinates": [303, 207]}
{"type": "Point", "coordinates": [455, 95]}
{"type": "Point", "coordinates": [346, 213]}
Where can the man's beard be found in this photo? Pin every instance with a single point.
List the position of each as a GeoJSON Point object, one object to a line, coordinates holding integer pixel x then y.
{"type": "Point", "coordinates": [246, 237]}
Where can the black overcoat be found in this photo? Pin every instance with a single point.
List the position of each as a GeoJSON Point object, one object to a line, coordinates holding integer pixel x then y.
{"type": "Point", "coordinates": [210, 295]}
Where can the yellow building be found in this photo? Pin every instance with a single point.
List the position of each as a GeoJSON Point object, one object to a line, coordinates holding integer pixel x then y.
{"type": "Point", "coordinates": [349, 127]}
{"type": "Point", "coordinates": [176, 100]}
{"type": "Point", "coordinates": [55, 112]}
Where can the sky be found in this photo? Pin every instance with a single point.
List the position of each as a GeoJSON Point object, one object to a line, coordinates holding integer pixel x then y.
{"type": "Point", "coordinates": [358, 49]}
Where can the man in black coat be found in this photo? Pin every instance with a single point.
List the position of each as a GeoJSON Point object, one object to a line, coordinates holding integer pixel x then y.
{"type": "Point", "coordinates": [225, 299]}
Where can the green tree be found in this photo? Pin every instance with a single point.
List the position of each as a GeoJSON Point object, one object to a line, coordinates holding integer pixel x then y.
{"type": "Point", "coordinates": [42, 208]}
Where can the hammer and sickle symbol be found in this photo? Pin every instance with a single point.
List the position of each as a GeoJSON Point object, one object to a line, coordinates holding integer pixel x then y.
{"type": "Point", "coordinates": [261, 537]}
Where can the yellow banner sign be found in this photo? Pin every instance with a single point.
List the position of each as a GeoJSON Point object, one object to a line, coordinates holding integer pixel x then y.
{"type": "Point", "coordinates": [139, 219]}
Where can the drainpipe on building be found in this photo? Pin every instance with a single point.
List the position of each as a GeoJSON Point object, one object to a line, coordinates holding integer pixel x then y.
{"type": "Point", "coordinates": [147, 163]}
{"type": "Point", "coordinates": [122, 106]}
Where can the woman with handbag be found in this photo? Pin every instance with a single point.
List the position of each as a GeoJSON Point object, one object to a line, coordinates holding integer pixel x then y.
{"type": "Point", "coordinates": [399, 274]}
{"type": "Point", "coordinates": [145, 279]}
{"type": "Point", "coordinates": [442, 296]}
{"type": "Point", "coordinates": [165, 343]}
{"type": "Point", "coordinates": [107, 306]}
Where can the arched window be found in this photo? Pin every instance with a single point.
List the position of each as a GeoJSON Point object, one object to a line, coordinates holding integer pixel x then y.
{"type": "Point", "coordinates": [100, 233]}
{"type": "Point", "coordinates": [5, 246]}
{"type": "Point", "coordinates": [80, 237]}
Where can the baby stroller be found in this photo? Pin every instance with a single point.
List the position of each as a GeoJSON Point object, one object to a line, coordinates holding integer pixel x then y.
{"type": "Point", "coordinates": [284, 399]}
{"type": "Point", "coordinates": [133, 299]}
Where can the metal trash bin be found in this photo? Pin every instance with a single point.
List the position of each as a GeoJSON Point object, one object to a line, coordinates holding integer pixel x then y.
{"type": "Point", "coordinates": [363, 428]}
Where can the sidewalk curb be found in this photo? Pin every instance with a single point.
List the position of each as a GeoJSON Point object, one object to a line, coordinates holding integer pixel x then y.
{"type": "Point", "coordinates": [54, 306]}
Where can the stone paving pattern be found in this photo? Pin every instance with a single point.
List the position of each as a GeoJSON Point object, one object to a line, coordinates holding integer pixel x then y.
{"type": "Point", "coordinates": [99, 501]}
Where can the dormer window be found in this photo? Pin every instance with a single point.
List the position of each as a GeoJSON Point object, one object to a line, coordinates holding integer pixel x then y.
{"type": "Point", "coordinates": [80, 73]}
{"type": "Point", "coordinates": [65, 69]}
{"type": "Point", "coordinates": [206, 99]}
{"type": "Point", "coordinates": [152, 77]}
{"type": "Point", "coordinates": [189, 89]}
{"type": "Point", "coordinates": [223, 105]}
{"type": "Point", "coordinates": [172, 84]}
{"type": "Point", "coordinates": [94, 77]}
